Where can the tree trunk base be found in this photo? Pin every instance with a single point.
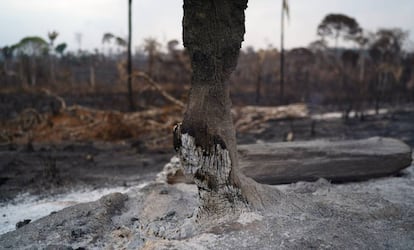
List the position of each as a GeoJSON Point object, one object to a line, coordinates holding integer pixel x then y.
{"type": "Point", "coordinates": [223, 195]}
{"type": "Point", "coordinates": [211, 171]}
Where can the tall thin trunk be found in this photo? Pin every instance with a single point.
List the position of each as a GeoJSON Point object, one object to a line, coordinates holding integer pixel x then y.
{"type": "Point", "coordinates": [5, 65]}
{"type": "Point", "coordinates": [212, 33]}
{"type": "Point", "coordinates": [129, 66]}
{"type": "Point", "coordinates": [33, 70]}
{"type": "Point", "coordinates": [362, 68]}
{"type": "Point", "coordinates": [52, 70]}
{"type": "Point", "coordinates": [52, 64]}
{"type": "Point", "coordinates": [259, 79]}
{"type": "Point", "coordinates": [92, 76]}
{"type": "Point", "coordinates": [378, 93]}
{"type": "Point", "coordinates": [21, 72]}
{"type": "Point", "coordinates": [336, 44]}
{"type": "Point", "coordinates": [361, 89]}
{"type": "Point", "coordinates": [258, 88]}
{"type": "Point", "coordinates": [282, 56]}
{"type": "Point", "coordinates": [306, 85]}
{"type": "Point", "coordinates": [151, 63]}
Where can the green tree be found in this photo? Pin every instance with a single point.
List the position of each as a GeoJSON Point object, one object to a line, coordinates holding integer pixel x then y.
{"type": "Point", "coordinates": [118, 41]}
{"type": "Point", "coordinates": [52, 37]}
{"type": "Point", "coordinates": [31, 48]}
{"type": "Point", "coordinates": [60, 48]}
{"type": "Point", "coordinates": [339, 26]}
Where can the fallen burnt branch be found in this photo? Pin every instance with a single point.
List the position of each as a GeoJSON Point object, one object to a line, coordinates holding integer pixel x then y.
{"type": "Point", "coordinates": [157, 87]}
{"type": "Point", "coordinates": [253, 117]}
{"type": "Point", "coordinates": [77, 123]}
{"type": "Point", "coordinates": [58, 98]}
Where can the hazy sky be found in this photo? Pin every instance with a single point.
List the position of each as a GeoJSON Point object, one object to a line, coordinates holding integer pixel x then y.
{"type": "Point", "coordinates": [162, 19]}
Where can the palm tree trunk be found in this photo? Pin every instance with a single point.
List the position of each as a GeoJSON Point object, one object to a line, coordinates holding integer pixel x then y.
{"type": "Point", "coordinates": [258, 88]}
{"type": "Point", "coordinates": [33, 70]}
{"type": "Point", "coordinates": [5, 65]}
{"type": "Point", "coordinates": [378, 93]}
{"type": "Point", "coordinates": [259, 80]}
{"type": "Point", "coordinates": [52, 70]}
{"type": "Point", "coordinates": [336, 45]}
{"type": "Point", "coordinates": [151, 60]}
{"type": "Point", "coordinates": [92, 76]}
{"type": "Point", "coordinates": [129, 64]}
{"type": "Point", "coordinates": [282, 56]}
{"type": "Point", "coordinates": [21, 71]}
{"type": "Point", "coordinates": [52, 64]}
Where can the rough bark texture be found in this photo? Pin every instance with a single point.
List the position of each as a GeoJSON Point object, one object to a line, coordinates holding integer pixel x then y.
{"type": "Point", "coordinates": [212, 33]}
{"type": "Point", "coordinates": [212, 174]}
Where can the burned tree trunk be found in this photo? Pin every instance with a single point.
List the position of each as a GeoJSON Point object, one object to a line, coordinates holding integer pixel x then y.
{"type": "Point", "coordinates": [213, 32]}
{"type": "Point", "coordinates": [129, 60]}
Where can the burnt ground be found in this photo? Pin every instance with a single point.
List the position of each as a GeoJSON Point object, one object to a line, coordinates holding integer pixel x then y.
{"type": "Point", "coordinates": [398, 123]}
{"type": "Point", "coordinates": [56, 168]}
{"type": "Point", "coordinates": [48, 168]}
{"type": "Point", "coordinates": [52, 169]}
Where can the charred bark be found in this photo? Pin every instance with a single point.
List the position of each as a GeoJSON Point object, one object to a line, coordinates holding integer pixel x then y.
{"type": "Point", "coordinates": [213, 32]}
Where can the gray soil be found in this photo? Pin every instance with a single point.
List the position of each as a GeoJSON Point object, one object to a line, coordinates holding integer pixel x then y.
{"type": "Point", "coordinates": [376, 214]}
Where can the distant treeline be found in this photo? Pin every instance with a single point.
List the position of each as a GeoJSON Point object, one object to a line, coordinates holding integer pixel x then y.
{"type": "Point", "coordinates": [373, 70]}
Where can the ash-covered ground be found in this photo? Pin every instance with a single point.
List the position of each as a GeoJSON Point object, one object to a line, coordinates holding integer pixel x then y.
{"type": "Point", "coordinates": [376, 214]}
